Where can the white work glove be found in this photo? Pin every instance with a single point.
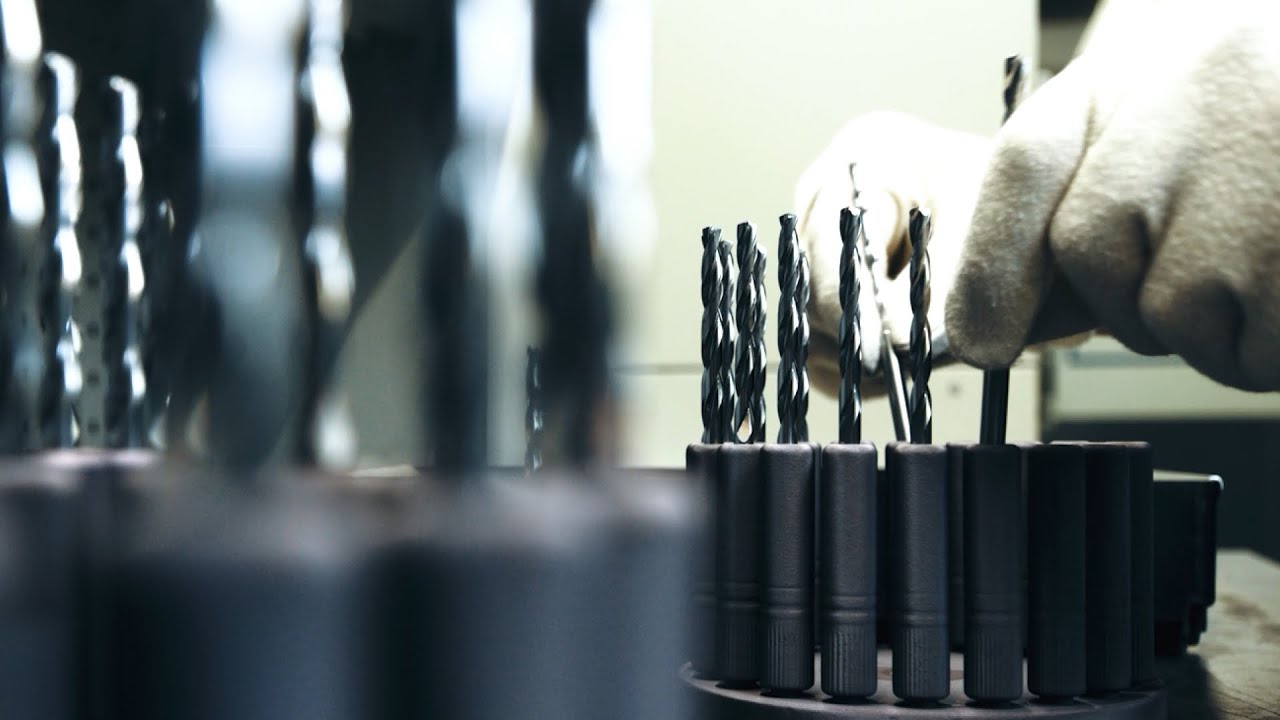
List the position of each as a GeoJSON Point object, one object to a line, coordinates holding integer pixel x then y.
{"type": "Point", "coordinates": [900, 162]}
{"type": "Point", "coordinates": [1139, 191]}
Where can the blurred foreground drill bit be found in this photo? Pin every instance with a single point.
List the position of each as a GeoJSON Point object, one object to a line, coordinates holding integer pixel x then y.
{"type": "Point", "coordinates": [126, 376]}
{"type": "Point", "coordinates": [327, 435]}
{"type": "Point", "coordinates": [750, 355]}
{"type": "Point", "coordinates": [995, 383]}
{"type": "Point", "coordinates": [850, 335]}
{"type": "Point", "coordinates": [63, 381]}
{"type": "Point", "coordinates": [21, 356]}
{"type": "Point", "coordinates": [728, 345]}
{"type": "Point", "coordinates": [575, 302]}
{"type": "Point", "coordinates": [793, 335]}
{"type": "Point", "coordinates": [533, 419]}
{"type": "Point", "coordinates": [712, 280]}
{"type": "Point", "coordinates": [921, 340]}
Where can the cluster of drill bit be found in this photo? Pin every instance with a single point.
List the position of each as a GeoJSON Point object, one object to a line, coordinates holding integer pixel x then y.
{"type": "Point", "coordinates": [793, 335]}
{"type": "Point", "coordinates": [734, 358]}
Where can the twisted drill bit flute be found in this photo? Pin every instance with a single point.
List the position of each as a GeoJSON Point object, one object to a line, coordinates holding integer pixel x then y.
{"type": "Point", "coordinates": [712, 278]}
{"type": "Point", "coordinates": [745, 308]}
{"type": "Point", "coordinates": [728, 343]}
{"type": "Point", "coordinates": [793, 335]}
{"type": "Point", "coordinates": [751, 355]}
{"type": "Point", "coordinates": [850, 336]}
{"type": "Point", "coordinates": [995, 383]}
{"type": "Point", "coordinates": [921, 340]}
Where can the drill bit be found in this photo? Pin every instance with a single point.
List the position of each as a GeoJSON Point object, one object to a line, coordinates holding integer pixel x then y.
{"type": "Point", "coordinates": [728, 343]}
{"type": "Point", "coordinates": [850, 328]}
{"type": "Point", "coordinates": [752, 311]}
{"type": "Point", "coordinates": [712, 278]}
{"type": "Point", "coordinates": [921, 340]}
{"type": "Point", "coordinates": [793, 334]}
{"type": "Point", "coordinates": [62, 381]}
{"type": "Point", "coordinates": [328, 435]}
{"type": "Point", "coordinates": [21, 354]}
{"type": "Point", "coordinates": [126, 376]}
{"type": "Point", "coordinates": [533, 412]}
{"type": "Point", "coordinates": [745, 309]}
{"type": "Point", "coordinates": [889, 365]}
{"type": "Point", "coordinates": [575, 301]}
{"type": "Point", "coordinates": [995, 383]}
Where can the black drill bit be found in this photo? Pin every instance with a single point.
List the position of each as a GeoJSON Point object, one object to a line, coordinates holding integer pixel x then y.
{"type": "Point", "coordinates": [745, 309]}
{"type": "Point", "coordinates": [126, 375]}
{"type": "Point", "coordinates": [921, 340]}
{"type": "Point", "coordinates": [850, 327]}
{"type": "Point", "coordinates": [995, 383]}
{"type": "Point", "coordinates": [533, 419]}
{"type": "Point", "coordinates": [788, 326]}
{"type": "Point", "coordinates": [728, 345]}
{"type": "Point", "coordinates": [751, 357]}
{"type": "Point", "coordinates": [62, 381]}
{"type": "Point", "coordinates": [712, 279]}
{"type": "Point", "coordinates": [793, 335]}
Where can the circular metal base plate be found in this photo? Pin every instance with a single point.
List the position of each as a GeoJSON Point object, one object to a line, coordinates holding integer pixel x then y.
{"type": "Point", "coordinates": [717, 703]}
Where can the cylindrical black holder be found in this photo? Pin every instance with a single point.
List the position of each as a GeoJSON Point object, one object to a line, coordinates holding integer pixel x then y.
{"type": "Point", "coordinates": [847, 538]}
{"type": "Point", "coordinates": [1142, 581]}
{"type": "Point", "coordinates": [38, 593]}
{"type": "Point", "coordinates": [1109, 567]}
{"type": "Point", "coordinates": [955, 543]}
{"type": "Point", "coordinates": [918, 553]}
{"type": "Point", "coordinates": [1056, 571]}
{"type": "Point", "coordinates": [739, 533]}
{"type": "Point", "coordinates": [993, 541]}
{"type": "Point", "coordinates": [701, 461]}
{"type": "Point", "coordinates": [787, 657]}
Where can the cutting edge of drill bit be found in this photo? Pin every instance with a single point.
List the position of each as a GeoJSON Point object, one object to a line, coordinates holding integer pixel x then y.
{"type": "Point", "coordinates": [850, 332]}
{"type": "Point", "coordinates": [800, 417]}
{"type": "Point", "coordinates": [920, 347]}
{"type": "Point", "coordinates": [759, 348]}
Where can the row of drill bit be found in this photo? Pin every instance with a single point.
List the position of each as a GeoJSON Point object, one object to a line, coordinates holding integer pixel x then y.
{"type": "Point", "coordinates": [733, 335]}
{"type": "Point", "coordinates": [734, 355]}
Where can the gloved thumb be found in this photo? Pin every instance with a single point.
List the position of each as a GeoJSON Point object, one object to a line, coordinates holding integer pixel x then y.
{"type": "Point", "coordinates": [1006, 274]}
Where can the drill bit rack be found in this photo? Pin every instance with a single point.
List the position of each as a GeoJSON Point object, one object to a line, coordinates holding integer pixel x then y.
{"type": "Point", "coordinates": [959, 582]}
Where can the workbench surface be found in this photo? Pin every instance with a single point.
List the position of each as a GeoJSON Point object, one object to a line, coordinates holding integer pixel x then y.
{"type": "Point", "coordinates": [1234, 673]}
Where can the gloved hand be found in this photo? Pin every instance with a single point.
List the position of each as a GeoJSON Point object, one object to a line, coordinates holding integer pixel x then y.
{"type": "Point", "coordinates": [1138, 191]}
{"type": "Point", "coordinates": [900, 162]}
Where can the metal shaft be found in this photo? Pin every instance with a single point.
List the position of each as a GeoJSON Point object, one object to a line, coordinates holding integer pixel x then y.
{"type": "Point", "coordinates": [921, 340]}
{"type": "Point", "coordinates": [750, 356]}
{"type": "Point", "coordinates": [728, 345]}
{"type": "Point", "coordinates": [533, 419]}
{"type": "Point", "coordinates": [793, 335]}
{"type": "Point", "coordinates": [995, 383]}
